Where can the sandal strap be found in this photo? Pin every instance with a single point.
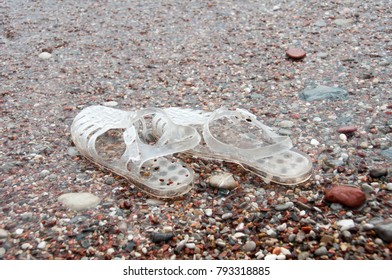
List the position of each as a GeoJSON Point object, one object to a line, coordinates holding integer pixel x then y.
{"type": "Point", "coordinates": [176, 138]}
{"type": "Point", "coordinates": [278, 144]}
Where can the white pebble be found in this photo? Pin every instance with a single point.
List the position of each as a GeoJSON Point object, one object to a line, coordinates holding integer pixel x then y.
{"type": "Point", "coordinates": [19, 231]}
{"type": "Point", "coordinates": [190, 245]}
{"type": "Point", "coordinates": [110, 104]}
{"type": "Point", "coordinates": [130, 237]}
{"type": "Point", "coordinates": [281, 257]}
{"type": "Point", "coordinates": [284, 251]}
{"type": "Point", "coordinates": [317, 119]}
{"type": "Point", "coordinates": [271, 257]}
{"type": "Point", "coordinates": [389, 186]}
{"type": "Point", "coordinates": [343, 137]}
{"type": "Point", "coordinates": [281, 227]}
{"type": "Point", "coordinates": [25, 246]}
{"type": "Point", "coordinates": [41, 245]}
{"type": "Point", "coordinates": [314, 142]}
{"type": "Point", "coordinates": [144, 250]}
{"type": "Point", "coordinates": [223, 181]}
{"type": "Point", "coordinates": [45, 55]}
{"type": "Point", "coordinates": [302, 213]}
{"type": "Point", "coordinates": [208, 212]}
{"type": "Point", "coordinates": [346, 224]}
{"type": "Point", "coordinates": [110, 251]}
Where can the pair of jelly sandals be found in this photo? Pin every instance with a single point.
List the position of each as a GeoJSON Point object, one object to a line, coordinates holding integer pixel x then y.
{"type": "Point", "coordinates": [140, 145]}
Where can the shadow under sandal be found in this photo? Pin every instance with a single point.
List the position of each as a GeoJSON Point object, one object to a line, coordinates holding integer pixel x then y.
{"type": "Point", "coordinates": [237, 136]}
{"type": "Point", "coordinates": [122, 142]}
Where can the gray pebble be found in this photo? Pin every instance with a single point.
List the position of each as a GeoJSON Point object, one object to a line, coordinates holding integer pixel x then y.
{"type": "Point", "coordinates": [2, 252]}
{"type": "Point", "coordinates": [324, 92]}
{"type": "Point", "coordinates": [3, 233]}
{"type": "Point", "coordinates": [72, 151]}
{"type": "Point", "coordinates": [384, 231]}
{"type": "Point", "coordinates": [321, 251]}
{"type": "Point", "coordinates": [286, 124]}
{"type": "Point", "coordinates": [285, 206]}
{"type": "Point", "coordinates": [367, 227]}
{"type": "Point", "coordinates": [303, 255]}
{"type": "Point", "coordinates": [249, 246]}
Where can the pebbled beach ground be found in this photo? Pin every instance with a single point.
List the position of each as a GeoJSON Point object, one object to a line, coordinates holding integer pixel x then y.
{"type": "Point", "coordinates": [58, 57]}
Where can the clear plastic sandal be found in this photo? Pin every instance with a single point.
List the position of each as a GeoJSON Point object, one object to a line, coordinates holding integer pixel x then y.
{"type": "Point", "coordinates": [122, 142]}
{"type": "Point", "coordinates": [237, 136]}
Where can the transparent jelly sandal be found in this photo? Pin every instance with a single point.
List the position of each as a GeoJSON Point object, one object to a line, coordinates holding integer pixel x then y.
{"type": "Point", "coordinates": [237, 136]}
{"type": "Point", "coordinates": [121, 141]}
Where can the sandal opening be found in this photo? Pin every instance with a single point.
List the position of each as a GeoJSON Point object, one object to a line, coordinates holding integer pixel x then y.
{"type": "Point", "coordinates": [110, 145]}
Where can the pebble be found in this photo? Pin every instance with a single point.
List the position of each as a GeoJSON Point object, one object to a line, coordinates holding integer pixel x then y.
{"type": "Point", "coordinates": [249, 246]}
{"type": "Point", "coordinates": [3, 233]}
{"type": "Point", "coordinates": [303, 255]}
{"type": "Point", "coordinates": [2, 252]}
{"type": "Point", "coordinates": [323, 93]}
{"type": "Point", "coordinates": [343, 137]}
{"type": "Point", "coordinates": [296, 53]}
{"type": "Point", "coordinates": [227, 216]}
{"type": "Point", "coordinates": [327, 239]}
{"type": "Point", "coordinates": [285, 206]}
{"type": "Point", "coordinates": [223, 181]}
{"type": "Point", "coordinates": [387, 153]}
{"type": "Point", "coordinates": [190, 245]}
{"type": "Point", "coordinates": [321, 251]}
{"type": "Point", "coordinates": [286, 124]}
{"type": "Point", "coordinates": [72, 151]}
{"type": "Point", "coordinates": [270, 257]}
{"type": "Point", "coordinates": [314, 142]}
{"type": "Point", "coordinates": [157, 237]}
{"type": "Point", "coordinates": [281, 257]}
{"type": "Point", "coordinates": [367, 226]}
{"type": "Point", "coordinates": [346, 224]}
{"type": "Point", "coordinates": [155, 202]}
{"type": "Point", "coordinates": [41, 245]}
{"type": "Point", "coordinates": [208, 212]}
{"type": "Point", "coordinates": [343, 21]}
{"type": "Point", "coordinates": [19, 231]}
{"type": "Point", "coordinates": [320, 23]}
{"type": "Point", "coordinates": [44, 173]}
{"type": "Point", "coordinates": [389, 186]}
{"type": "Point", "coordinates": [347, 129]}
{"type": "Point", "coordinates": [346, 195]}
{"type": "Point", "coordinates": [45, 55]}
{"type": "Point", "coordinates": [79, 201]}
{"type": "Point", "coordinates": [384, 231]}
{"type": "Point", "coordinates": [110, 104]}
{"type": "Point", "coordinates": [281, 227]}
{"type": "Point", "coordinates": [378, 173]}
{"type": "Point", "coordinates": [25, 246]}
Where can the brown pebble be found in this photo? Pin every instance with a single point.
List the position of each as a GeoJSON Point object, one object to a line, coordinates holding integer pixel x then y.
{"type": "Point", "coordinates": [347, 129]}
{"type": "Point", "coordinates": [346, 195]}
{"type": "Point", "coordinates": [296, 53]}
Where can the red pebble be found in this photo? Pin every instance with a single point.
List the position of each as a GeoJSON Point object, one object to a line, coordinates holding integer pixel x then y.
{"type": "Point", "coordinates": [346, 195]}
{"type": "Point", "coordinates": [296, 53]}
{"type": "Point", "coordinates": [347, 129]}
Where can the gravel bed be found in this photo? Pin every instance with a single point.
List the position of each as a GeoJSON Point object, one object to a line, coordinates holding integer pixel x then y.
{"type": "Point", "coordinates": [60, 56]}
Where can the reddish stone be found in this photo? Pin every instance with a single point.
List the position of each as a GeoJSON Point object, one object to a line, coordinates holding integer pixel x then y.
{"type": "Point", "coordinates": [346, 195]}
{"type": "Point", "coordinates": [347, 129]}
{"type": "Point", "coordinates": [302, 199]}
{"type": "Point", "coordinates": [306, 229]}
{"type": "Point", "coordinates": [296, 53]}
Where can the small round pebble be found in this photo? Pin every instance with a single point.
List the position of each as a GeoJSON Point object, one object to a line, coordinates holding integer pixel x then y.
{"type": "Point", "coordinates": [296, 53]}
{"type": "Point", "coordinates": [19, 231]}
{"type": "Point", "coordinates": [208, 212]}
{"type": "Point", "coordinates": [321, 251]}
{"type": "Point", "coordinates": [110, 104]}
{"type": "Point", "coordinates": [314, 142]}
{"type": "Point", "coordinates": [249, 246]}
{"type": "Point", "coordinates": [41, 245]}
{"type": "Point", "coordinates": [45, 55]}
